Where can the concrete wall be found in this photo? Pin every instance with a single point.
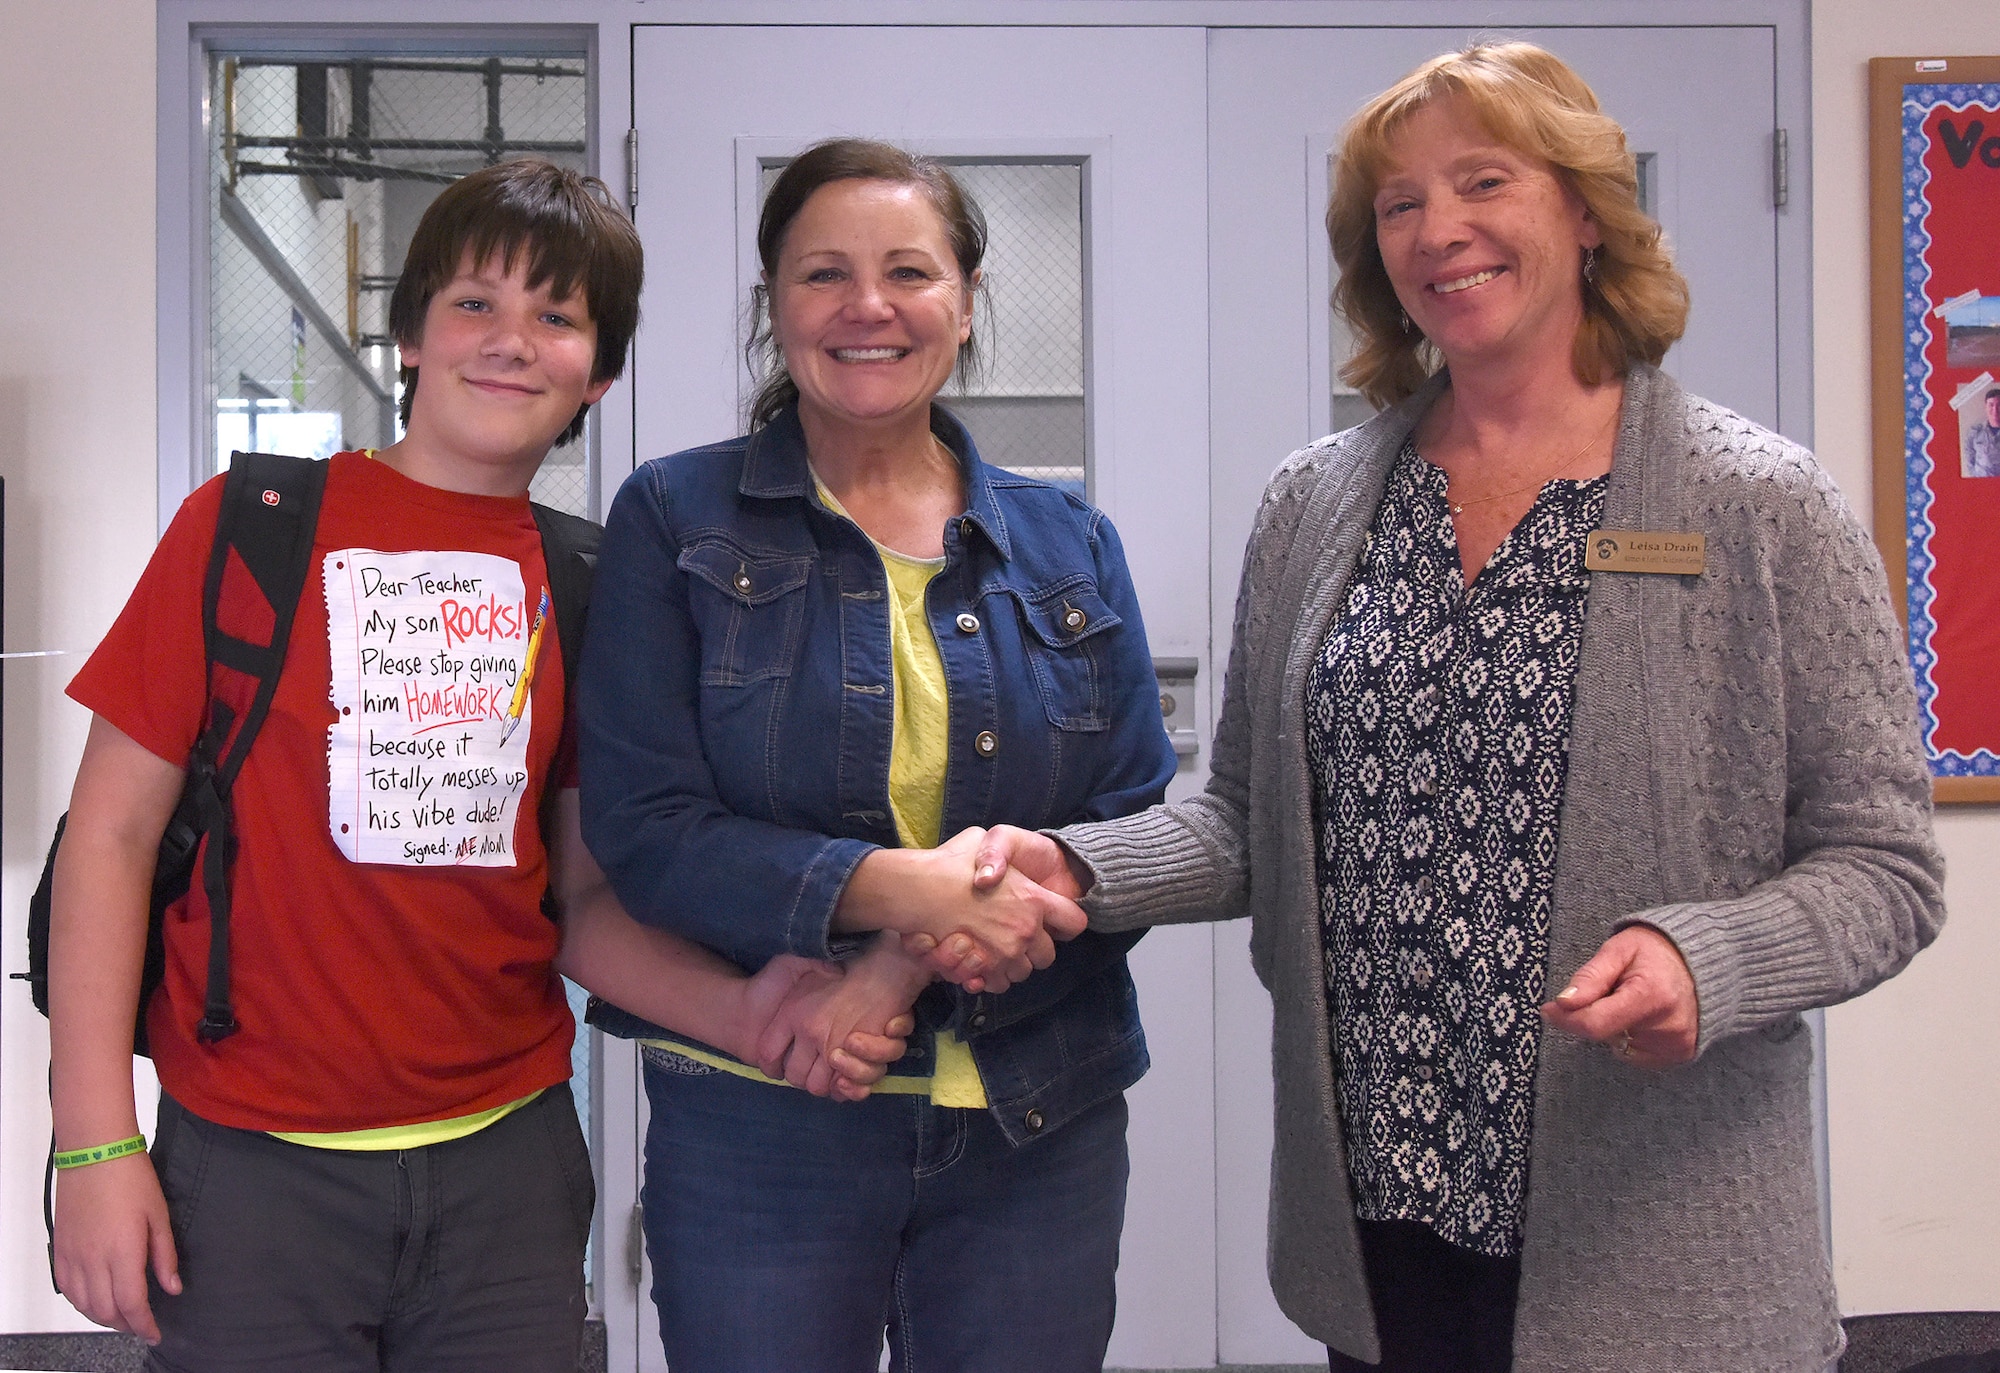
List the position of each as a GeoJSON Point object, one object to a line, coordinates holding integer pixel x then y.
{"type": "Point", "coordinates": [77, 450]}
{"type": "Point", "coordinates": [1913, 1111]}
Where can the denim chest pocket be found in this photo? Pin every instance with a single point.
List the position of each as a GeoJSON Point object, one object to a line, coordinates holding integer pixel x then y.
{"type": "Point", "coordinates": [748, 606]}
{"type": "Point", "coordinates": [1066, 626]}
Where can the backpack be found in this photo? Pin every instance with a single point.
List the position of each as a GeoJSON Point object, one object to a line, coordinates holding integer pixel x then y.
{"type": "Point", "coordinates": [270, 512]}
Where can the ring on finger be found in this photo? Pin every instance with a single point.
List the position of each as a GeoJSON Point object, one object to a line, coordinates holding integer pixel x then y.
{"type": "Point", "coordinates": [1622, 1045]}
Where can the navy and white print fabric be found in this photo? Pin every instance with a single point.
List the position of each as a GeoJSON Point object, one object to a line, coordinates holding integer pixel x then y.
{"type": "Point", "coordinates": [1438, 721]}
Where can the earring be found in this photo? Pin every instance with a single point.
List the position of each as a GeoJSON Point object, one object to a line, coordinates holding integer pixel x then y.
{"type": "Point", "coordinates": [1403, 319]}
{"type": "Point", "coordinates": [1590, 266]}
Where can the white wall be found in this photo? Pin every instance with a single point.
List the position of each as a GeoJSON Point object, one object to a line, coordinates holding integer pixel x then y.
{"type": "Point", "coordinates": [1913, 1078]}
{"type": "Point", "coordinates": [77, 450]}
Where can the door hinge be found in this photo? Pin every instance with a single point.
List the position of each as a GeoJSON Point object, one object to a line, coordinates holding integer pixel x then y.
{"type": "Point", "coordinates": [632, 172]}
{"type": "Point", "coordinates": [1781, 167]}
{"type": "Point", "coordinates": [635, 1246]}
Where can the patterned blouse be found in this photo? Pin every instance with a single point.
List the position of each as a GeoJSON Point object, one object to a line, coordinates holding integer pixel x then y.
{"type": "Point", "coordinates": [1438, 735]}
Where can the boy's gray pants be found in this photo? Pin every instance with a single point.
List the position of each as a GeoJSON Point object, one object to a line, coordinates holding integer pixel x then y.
{"type": "Point", "coordinates": [466, 1255]}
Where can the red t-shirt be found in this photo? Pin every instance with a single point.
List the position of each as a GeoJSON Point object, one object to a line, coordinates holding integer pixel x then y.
{"type": "Point", "coordinates": [390, 962]}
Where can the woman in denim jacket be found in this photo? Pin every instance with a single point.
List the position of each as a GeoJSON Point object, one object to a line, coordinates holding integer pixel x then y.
{"type": "Point", "coordinates": [818, 649]}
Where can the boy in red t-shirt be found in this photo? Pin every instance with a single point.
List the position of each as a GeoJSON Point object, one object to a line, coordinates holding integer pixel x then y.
{"type": "Point", "coordinates": [382, 1168]}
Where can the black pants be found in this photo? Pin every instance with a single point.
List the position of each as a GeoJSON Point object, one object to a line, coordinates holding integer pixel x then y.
{"type": "Point", "coordinates": [1438, 1308]}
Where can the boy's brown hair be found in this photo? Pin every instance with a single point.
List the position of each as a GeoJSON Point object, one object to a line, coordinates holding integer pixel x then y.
{"type": "Point", "coordinates": [572, 233]}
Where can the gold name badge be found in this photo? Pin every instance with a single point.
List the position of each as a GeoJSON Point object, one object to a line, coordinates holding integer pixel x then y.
{"type": "Point", "coordinates": [1644, 550]}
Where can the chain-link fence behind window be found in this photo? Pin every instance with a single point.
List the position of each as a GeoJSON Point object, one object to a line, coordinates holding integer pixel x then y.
{"type": "Point", "coordinates": [319, 172]}
{"type": "Point", "coordinates": [1026, 411]}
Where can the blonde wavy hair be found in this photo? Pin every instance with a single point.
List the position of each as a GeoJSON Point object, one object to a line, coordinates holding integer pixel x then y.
{"type": "Point", "coordinates": [1533, 102]}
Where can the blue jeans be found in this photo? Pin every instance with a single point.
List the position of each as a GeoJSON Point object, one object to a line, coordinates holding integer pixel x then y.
{"type": "Point", "coordinates": [788, 1232]}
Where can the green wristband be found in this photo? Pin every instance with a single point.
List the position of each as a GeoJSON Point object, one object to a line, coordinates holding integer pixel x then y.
{"type": "Point", "coordinates": [78, 1158]}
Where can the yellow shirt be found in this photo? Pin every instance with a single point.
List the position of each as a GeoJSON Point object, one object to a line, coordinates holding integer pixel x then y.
{"type": "Point", "coordinates": [407, 1136]}
{"type": "Point", "coordinates": [918, 751]}
{"type": "Point", "coordinates": [919, 748]}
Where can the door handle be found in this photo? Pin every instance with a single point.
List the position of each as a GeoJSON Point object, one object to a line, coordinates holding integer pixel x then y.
{"type": "Point", "coordinates": [1177, 678]}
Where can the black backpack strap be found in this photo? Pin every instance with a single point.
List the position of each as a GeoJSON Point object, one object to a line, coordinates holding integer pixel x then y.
{"type": "Point", "coordinates": [569, 550]}
{"type": "Point", "coordinates": [49, 1187]}
{"type": "Point", "coordinates": [270, 510]}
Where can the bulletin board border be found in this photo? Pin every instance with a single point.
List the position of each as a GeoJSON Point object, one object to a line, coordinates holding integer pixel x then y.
{"type": "Point", "coordinates": [1902, 93]}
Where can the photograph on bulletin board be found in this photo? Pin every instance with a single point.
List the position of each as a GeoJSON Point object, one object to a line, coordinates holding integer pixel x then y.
{"type": "Point", "coordinates": [1936, 346]}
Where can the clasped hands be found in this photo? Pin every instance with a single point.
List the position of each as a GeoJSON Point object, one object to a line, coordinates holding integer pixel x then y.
{"type": "Point", "coordinates": [983, 909]}
{"type": "Point", "coordinates": [986, 908]}
{"type": "Point", "coordinates": [1636, 995]}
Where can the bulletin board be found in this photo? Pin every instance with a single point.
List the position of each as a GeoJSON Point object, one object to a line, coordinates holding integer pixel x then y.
{"type": "Point", "coordinates": [1935, 244]}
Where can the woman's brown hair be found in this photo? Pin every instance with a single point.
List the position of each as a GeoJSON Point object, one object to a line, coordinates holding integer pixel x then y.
{"type": "Point", "coordinates": [1635, 300]}
{"type": "Point", "coordinates": [850, 159]}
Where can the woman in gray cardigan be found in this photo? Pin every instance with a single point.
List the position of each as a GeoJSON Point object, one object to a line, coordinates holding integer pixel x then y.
{"type": "Point", "coordinates": [1550, 678]}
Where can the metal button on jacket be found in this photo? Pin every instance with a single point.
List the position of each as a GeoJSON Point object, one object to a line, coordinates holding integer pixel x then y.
{"type": "Point", "coordinates": [979, 1021]}
{"type": "Point", "coordinates": [743, 582]}
{"type": "Point", "coordinates": [1073, 619]}
{"type": "Point", "coordinates": [968, 623]}
{"type": "Point", "coordinates": [986, 744]}
{"type": "Point", "coordinates": [1033, 1120]}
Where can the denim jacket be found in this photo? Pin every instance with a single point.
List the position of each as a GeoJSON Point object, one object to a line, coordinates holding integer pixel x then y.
{"type": "Point", "coordinates": [735, 720]}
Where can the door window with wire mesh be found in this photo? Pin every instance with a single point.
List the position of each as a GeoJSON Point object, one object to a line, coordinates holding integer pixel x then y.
{"type": "Point", "coordinates": [319, 169]}
{"type": "Point", "coordinates": [1025, 408]}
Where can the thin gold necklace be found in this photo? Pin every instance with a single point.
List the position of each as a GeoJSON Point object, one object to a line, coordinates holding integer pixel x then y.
{"type": "Point", "coordinates": [1460, 507]}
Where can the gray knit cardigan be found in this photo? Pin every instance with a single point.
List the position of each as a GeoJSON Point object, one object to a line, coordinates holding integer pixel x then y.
{"type": "Point", "coordinates": [1744, 775]}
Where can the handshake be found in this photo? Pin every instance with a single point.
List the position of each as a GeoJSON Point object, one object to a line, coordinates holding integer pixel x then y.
{"type": "Point", "coordinates": [983, 910]}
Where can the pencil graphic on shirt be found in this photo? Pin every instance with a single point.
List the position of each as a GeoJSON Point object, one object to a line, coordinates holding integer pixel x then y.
{"type": "Point", "coordinates": [528, 661]}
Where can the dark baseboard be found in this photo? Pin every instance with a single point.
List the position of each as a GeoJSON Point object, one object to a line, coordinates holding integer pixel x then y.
{"type": "Point", "coordinates": [1891, 1344]}
{"type": "Point", "coordinates": [83, 1352]}
{"type": "Point", "coordinates": [1875, 1344]}
{"type": "Point", "coordinates": [105, 1352]}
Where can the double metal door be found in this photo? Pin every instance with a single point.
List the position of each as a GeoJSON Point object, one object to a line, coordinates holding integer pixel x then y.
{"type": "Point", "coordinates": [1206, 352]}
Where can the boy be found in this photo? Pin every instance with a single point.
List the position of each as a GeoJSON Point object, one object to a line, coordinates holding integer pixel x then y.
{"type": "Point", "coordinates": [381, 1168]}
